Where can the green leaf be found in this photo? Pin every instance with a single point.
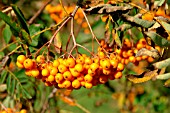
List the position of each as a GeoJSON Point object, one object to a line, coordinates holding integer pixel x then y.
{"type": "Point", "coordinates": [7, 34]}
{"type": "Point", "coordinates": [117, 39]}
{"type": "Point", "coordinates": [8, 83]}
{"type": "Point", "coordinates": [3, 76]}
{"type": "Point", "coordinates": [26, 37]}
{"type": "Point", "coordinates": [138, 21]}
{"type": "Point", "coordinates": [13, 25]}
{"type": "Point", "coordinates": [18, 90]}
{"type": "Point", "coordinates": [21, 18]}
{"type": "Point", "coordinates": [13, 84]}
{"type": "Point", "coordinates": [166, 26]}
{"type": "Point", "coordinates": [162, 64]}
{"type": "Point", "coordinates": [26, 94]}
{"type": "Point", "coordinates": [34, 29]}
{"type": "Point", "coordinates": [159, 40]}
{"type": "Point", "coordinates": [163, 76]}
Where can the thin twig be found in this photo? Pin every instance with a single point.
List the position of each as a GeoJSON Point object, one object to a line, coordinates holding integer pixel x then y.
{"type": "Point", "coordinates": [39, 12]}
{"type": "Point", "coordinates": [82, 108]}
{"type": "Point", "coordinates": [46, 101]}
{"type": "Point", "coordinates": [3, 106]}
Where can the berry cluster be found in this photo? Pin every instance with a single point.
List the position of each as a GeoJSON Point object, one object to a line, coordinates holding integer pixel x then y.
{"type": "Point", "coordinates": [72, 73]}
{"type": "Point", "coordinates": [57, 13]}
{"type": "Point", "coordinates": [9, 110]}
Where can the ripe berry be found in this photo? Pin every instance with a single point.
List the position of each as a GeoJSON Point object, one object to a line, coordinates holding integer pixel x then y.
{"type": "Point", "coordinates": [23, 111]}
{"type": "Point", "coordinates": [50, 78]}
{"type": "Point", "coordinates": [62, 68]}
{"type": "Point", "coordinates": [94, 66]}
{"type": "Point", "coordinates": [80, 60]}
{"type": "Point", "coordinates": [67, 75]}
{"type": "Point", "coordinates": [35, 72]}
{"type": "Point", "coordinates": [88, 78]}
{"type": "Point", "coordinates": [70, 62]}
{"type": "Point", "coordinates": [74, 72]}
{"type": "Point", "coordinates": [66, 84]}
{"type": "Point", "coordinates": [103, 79]}
{"type": "Point", "coordinates": [19, 65]}
{"type": "Point", "coordinates": [21, 59]}
{"type": "Point", "coordinates": [120, 67]}
{"type": "Point", "coordinates": [45, 72]}
{"type": "Point", "coordinates": [106, 71]}
{"type": "Point", "coordinates": [79, 68]}
{"type": "Point", "coordinates": [114, 63]}
{"type": "Point", "coordinates": [56, 63]}
{"type": "Point", "coordinates": [28, 63]}
{"type": "Point", "coordinates": [59, 78]}
{"type": "Point", "coordinates": [118, 74]}
{"type": "Point", "coordinates": [53, 71]}
{"type": "Point", "coordinates": [106, 64]}
{"type": "Point", "coordinates": [40, 59]}
{"type": "Point", "coordinates": [76, 84]}
{"type": "Point", "coordinates": [88, 85]}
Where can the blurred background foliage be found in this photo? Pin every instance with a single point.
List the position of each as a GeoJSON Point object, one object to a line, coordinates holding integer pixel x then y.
{"type": "Point", "coordinates": [114, 96]}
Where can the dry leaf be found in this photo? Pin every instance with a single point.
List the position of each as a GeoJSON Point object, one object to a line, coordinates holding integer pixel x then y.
{"type": "Point", "coordinates": [57, 43]}
{"type": "Point", "coordinates": [153, 53]}
{"type": "Point", "coordinates": [147, 76]}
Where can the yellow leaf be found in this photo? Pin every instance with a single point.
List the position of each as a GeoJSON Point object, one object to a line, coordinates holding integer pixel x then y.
{"type": "Point", "coordinates": [58, 43]}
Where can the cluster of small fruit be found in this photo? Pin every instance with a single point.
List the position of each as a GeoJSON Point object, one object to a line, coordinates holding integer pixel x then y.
{"type": "Point", "coordinates": [9, 110]}
{"type": "Point", "coordinates": [57, 13]}
{"type": "Point", "coordinates": [72, 73]}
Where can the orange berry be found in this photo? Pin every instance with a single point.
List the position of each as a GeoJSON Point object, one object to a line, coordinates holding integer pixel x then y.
{"type": "Point", "coordinates": [62, 68]}
{"type": "Point", "coordinates": [129, 53]}
{"type": "Point", "coordinates": [120, 67]}
{"type": "Point", "coordinates": [88, 60]}
{"type": "Point", "coordinates": [88, 78]}
{"type": "Point", "coordinates": [91, 72]}
{"type": "Point", "coordinates": [23, 111]}
{"type": "Point", "coordinates": [139, 46]}
{"type": "Point", "coordinates": [60, 60]}
{"type": "Point", "coordinates": [158, 48]}
{"type": "Point", "coordinates": [106, 64]}
{"type": "Point", "coordinates": [84, 25]}
{"type": "Point", "coordinates": [43, 66]}
{"type": "Point", "coordinates": [118, 74]}
{"type": "Point", "coordinates": [123, 61]}
{"type": "Point", "coordinates": [144, 57]}
{"type": "Point", "coordinates": [127, 43]}
{"type": "Point", "coordinates": [96, 60]}
{"type": "Point", "coordinates": [106, 71]}
{"type": "Point", "coordinates": [66, 84]}
{"type": "Point", "coordinates": [70, 62]}
{"type": "Point", "coordinates": [124, 54]}
{"type": "Point", "coordinates": [79, 68]}
{"type": "Point", "coordinates": [150, 59]}
{"type": "Point", "coordinates": [114, 63]}
{"type": "Point", "coordinates": [101, 55]}
{"type": "Point", "coordinates": [28, 72]}
{"type": "Point", "coordinates": [76, 84]}
{"type": "Point", "coordinates": [56, 63]}
{"type": "Point", "coordinates": [67, 75]}
{"type": "Point", "coordinates": [143, 41]}
{"type": "Point", "coordinates": [21, 59]}
{"type": "Point", "coordinates": [35, 72]}
{"type": "Point", "coordinates": [88, 85]}
{"type": "Point", "coordinates": [103, 79]}
{"type": "Point", "coordinates": [40, 59]}
{"type": "Point", "coordinates": [118, 51]}
{"type": "Point", "coordinates": [80, 78]}
{"type": "Point", "coordinates": [80, 60]}
{"type": "Point", "coordinates": [82, 83]}
{"type": "Point", "coordinates": [126, 61]}
{"type": "Point", "coordinates": [45, 72]}
{"type": "Point", "coordinates": [50, 78]}
{"type": "Point", "coordinates": [160, 11]}
{"type": "Point", "coordinates": [148, 47]}
{"type": "Point", "coordinates": [74, 72]}
{"type": "Point", "coordinates": [19, 65]}
{"type": "Point", "coordinates": [132, 59]}
{"type": "Point", "coordinates": [53, 71]}
{"type": "Point", "coordinates": [28, 63]}
{"type": "Point", "coordinates": [148, 16]}
{"type": "Point", "coordinates": [59, 78]}
{"type": "Point", "coordinates": [139, 58]}
{"type": "Point", "coordinates": [94, 66]}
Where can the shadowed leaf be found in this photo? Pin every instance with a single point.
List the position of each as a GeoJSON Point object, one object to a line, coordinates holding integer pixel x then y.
{"type": "Point", "coordinates": [138, 21]}
{"type": "Point", "coordinates": [153, 53]}
{"type": "Point", "coordinates": [159, 40]}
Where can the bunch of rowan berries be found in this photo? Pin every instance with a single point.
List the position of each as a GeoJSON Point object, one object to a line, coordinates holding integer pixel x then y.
{"type": "Point", "coordinates": [57, 13]}
{"type": "Point", "coordinates": [9, 110]}
{"type": "Point", "coordinates": [72, 73]}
